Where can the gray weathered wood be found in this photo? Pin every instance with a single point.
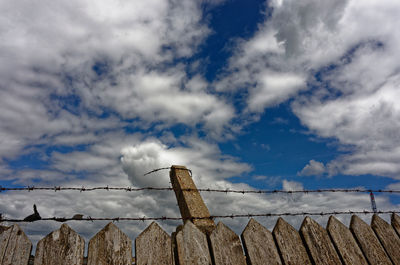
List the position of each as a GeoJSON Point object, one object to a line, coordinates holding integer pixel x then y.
{"type": "Point", "coordinates": [153, 246]}
{"type": "Point", "coordinates": [290, 244]}
{"type": "Point", "coordinates": [395, 219]}
{"type": "Point", "coordinates": [3, 228]}
{"type": "Point", "coordinates": [189, 199]}
{"type": "Point", "coordinates": [63, 246]}
{"type": "Point", "coordinates": [226, 246]}
{"type": "Point", "coordinates": [368, 242]}
{"type": "Point", "coordinates": [192, 246]}
{"type": "Point", "coordinates": [259, 245]}
{"type": "Point", "coordinates": [345, 243]}
{"type": "Point", "coordinates": [15, 247]}
{"type": "Point", "coordinates": [110, 246]}
{"type": "Point", "coordinates": [388, 238]}
{"type": "Point", "coordinates": [318, 242]}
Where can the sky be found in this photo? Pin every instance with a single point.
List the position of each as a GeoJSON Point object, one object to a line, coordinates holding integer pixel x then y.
{"type": "Point", "coordinates": [278, 94]}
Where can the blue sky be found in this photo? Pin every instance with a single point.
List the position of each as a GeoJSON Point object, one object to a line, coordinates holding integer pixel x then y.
{"type": "Point", "coordinates": [261, 94]}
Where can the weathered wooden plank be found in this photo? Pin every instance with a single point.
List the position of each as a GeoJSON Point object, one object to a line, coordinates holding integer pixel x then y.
{"type": "Point", "coordinates": [110, 246]}
{"type": "Point", "coordinates": [345, 243]}
{"type": "Point", "coordinates": [368, 242]}
{"type": "Point", "coordinates": [318, 242]}
{"type": "Point", "coordinates": [388, 238]}
{"type": "Point", "coordinates": [226, 246]}
{"type": "Point", "coordinates": [395, 219]}
{"type": "Point", "coordinates": [192, 246]}
{"type": "Point", "coordinates": [189, 200]}
{"type": "Point", "coordinates": [259, 245]}
{"type": "Point", "coordinates": [290, 244]}
{"type": "Point", "coordinates": [63, 246]}
{"type": "Point", "coordinates": [15, 247]}
{"type": "Point", "coordinates": [153, 246]}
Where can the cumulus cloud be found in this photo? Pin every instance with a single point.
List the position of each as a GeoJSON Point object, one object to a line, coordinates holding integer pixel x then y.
{"type": "Point", "coordinates": [313, 168]}
{"type": "Point", "coordinates": [338, 64]}
{"type": "Point", "coordinates": [292, 185]}
{"type": "Point", "coordinates": [71, 67]}
{"type": "Point", "coordinates": [205, 160]}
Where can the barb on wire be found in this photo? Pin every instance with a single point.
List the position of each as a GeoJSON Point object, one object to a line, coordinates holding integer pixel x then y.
{"type": "Point", "coordinates": [232, 216]}
{"type": "Point", "coordinates": [108, 188]}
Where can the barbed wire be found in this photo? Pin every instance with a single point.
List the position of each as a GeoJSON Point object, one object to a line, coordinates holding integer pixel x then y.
{"type": "Point", "coordinates": [133, 189]}
{"type": "Point", "coordinates": [164, 168]}
{"type": "Point", "coordinates": [129, 189]}
{"type": "Point", "coordinates": [212, 217]}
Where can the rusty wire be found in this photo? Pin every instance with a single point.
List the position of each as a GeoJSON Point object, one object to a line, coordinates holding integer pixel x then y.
{"type": "Point", "coordinates": [81, 189]}
{"type": "Point", "coordinates": [164, 168]}
{"type": "Point", "coordinates": [131, 189]}
{"type": "Point", "coordinates": [212, 217]}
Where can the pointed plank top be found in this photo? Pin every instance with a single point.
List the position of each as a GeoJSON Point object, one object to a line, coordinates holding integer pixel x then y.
{"type": "Point", "coordinates": [192, 246]}
{"type": "Point", "coordinates": [345, 243]}
{"type": "Point", "coordinates": [259, 245]}
{"type": "Point", "coordinates": [290, 244]}
{"type": "Point", "coordinates": [368, 241]}
{"type": "Point", "coordinates": [388, 238]}
{"type": "Point", "coordinates": [15, 247]}
{"type": "Point", "coordinates": [226, 246]}
{"type": "Point", "coordinates": [319, 243]}
{"type": "Point", "coordinates": [110, 246]}
{"type": "Point", "coordinates": [153, 246]}
{"type": "Point", "coordinates": [63, 246]}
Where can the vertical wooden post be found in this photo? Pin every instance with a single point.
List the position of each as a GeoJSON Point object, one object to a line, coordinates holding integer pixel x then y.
{"type": "Point", "coordinates": [189, 200]}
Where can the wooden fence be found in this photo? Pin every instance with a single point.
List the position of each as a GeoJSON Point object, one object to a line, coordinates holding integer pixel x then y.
{"type": "Point", "coordinates": [204, 243]}
{"type": "Point", "coordinates": [378, 243]}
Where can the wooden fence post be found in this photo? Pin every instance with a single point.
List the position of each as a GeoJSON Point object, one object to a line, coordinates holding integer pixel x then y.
{"type": "Point", "coordinates": [190, 203]}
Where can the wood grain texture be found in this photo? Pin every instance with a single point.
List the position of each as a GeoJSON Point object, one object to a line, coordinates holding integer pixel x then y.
{"type": "Point", "coordinates": [110, 246]}
{"type": "Point", "coordinates": [345, 243]}
{"type": "Point", "coordinates": [3, 228]}
{"type": "Point", "coordinates": [289, 242]}
{"type": "Point", "coordinates": [318, 243]}
{"type": "Point", "coordinates": [226, 246]}
{"type": "Point", "coordinates": [192, 246]}
{"type": "Point", "coordinates": [368, 242]}
{"type": "Point", "coordinates": [63, 246]}
{"type": "Point", "coordinates": [189, 200]}
{"type": "Point", "coordinates": [259, 245]}
{"type": "Point", "coordinates": [153, 246]}
{"type": "Point", "coordinates": [15, 247]}
{"type": "Point", "coordinates": [395, 220]}
{"type": "Point", "coordinates": [388, 238]}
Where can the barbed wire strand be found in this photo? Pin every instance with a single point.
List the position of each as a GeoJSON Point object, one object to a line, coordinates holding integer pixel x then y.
{"type": "Point", "coordinates": [164, 168]}
{"type": "Point", "coordinates": [132, 189]}
{"type": "Point", "coordinates": [232, 216]}
{"type": "Point", "coordinates": [81, 189]}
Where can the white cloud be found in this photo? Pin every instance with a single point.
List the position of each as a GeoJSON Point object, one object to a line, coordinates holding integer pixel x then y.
{"type": "Point", "coordinates": [274, 88]}
{"type": "Point", "coordinates": [366, 122]}
{"type": "Point", "coordinates": [313, 168]}
{"type": "Point", "coordinates": [51, 52]}
{"type": "Point", "coordinates": [291, 185]}
{"type": "Point", "coordinates": [352, 46]}
{"type": "Point", "coordinates": [199, 156]}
